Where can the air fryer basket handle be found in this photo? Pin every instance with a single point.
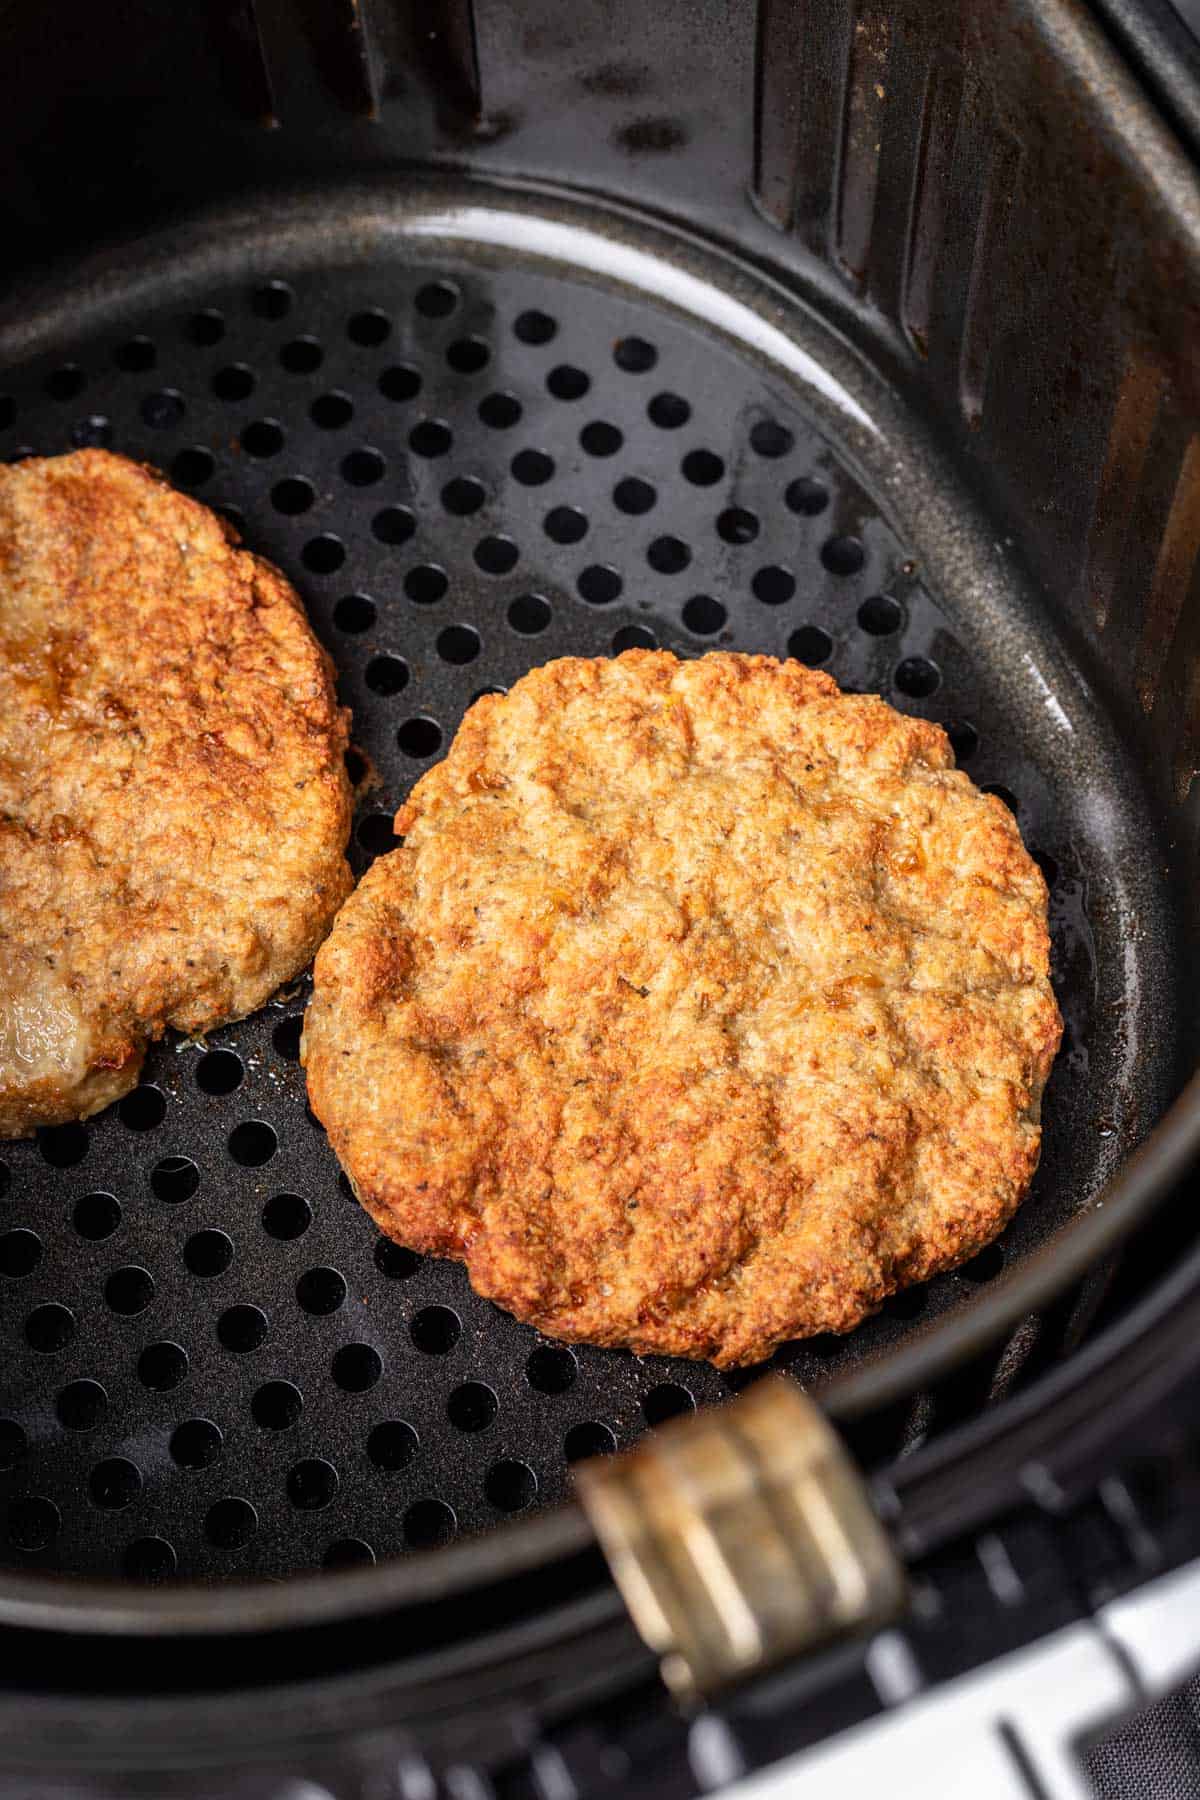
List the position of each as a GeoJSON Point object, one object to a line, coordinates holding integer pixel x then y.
{"type": "Point", "coordinates": [742, 1535]}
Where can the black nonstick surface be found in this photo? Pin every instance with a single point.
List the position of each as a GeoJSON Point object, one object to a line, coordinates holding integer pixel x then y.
{"type": "Point", "coordinates": [211, 1363]}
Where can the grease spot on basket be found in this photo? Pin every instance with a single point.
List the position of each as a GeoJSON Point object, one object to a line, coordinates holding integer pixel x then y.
{"type": "Point", "coordinates": [652, 137]}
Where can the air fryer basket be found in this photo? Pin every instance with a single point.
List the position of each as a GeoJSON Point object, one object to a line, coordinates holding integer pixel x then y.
{"type": "Point", "coordinates": [857, 334]}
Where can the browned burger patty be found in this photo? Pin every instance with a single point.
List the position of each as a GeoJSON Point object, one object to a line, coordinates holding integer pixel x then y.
{"type": "Point", "coordinates": [173, 802]}
{"type": "Point", "coordinates": [703, 1006]}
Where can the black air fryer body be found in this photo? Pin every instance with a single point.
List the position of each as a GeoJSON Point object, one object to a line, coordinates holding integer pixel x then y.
{"type": "Point", "coordinates": [863, 333]}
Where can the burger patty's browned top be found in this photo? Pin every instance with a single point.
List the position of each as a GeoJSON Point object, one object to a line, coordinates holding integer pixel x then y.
{"type": "Point", "coordinates": [703, 1006]}
{"type": "Point", "coordinates": [173, 802]}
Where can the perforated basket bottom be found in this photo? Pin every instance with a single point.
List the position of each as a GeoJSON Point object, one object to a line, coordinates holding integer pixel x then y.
{"type": "Point", "coordinates": [211, 1362]}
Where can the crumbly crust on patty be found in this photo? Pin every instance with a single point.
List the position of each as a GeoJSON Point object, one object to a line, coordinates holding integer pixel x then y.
{"type": "Point", "coordinates": [702, 1006]}
{"type": "Point", "coordinates": [174, 807]}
